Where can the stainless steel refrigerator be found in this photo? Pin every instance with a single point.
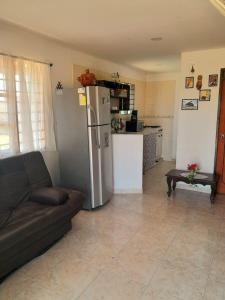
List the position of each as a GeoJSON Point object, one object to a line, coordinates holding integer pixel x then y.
{"type": "Point", "coordinates": [83, 135]}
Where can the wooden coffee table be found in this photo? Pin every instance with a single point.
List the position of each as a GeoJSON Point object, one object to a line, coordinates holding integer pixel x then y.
{"type": "Point", "coordinates": [173, 176]}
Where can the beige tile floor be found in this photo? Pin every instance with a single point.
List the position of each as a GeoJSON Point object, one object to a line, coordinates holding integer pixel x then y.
{"type": "Point", "coordinates": [137, 247]}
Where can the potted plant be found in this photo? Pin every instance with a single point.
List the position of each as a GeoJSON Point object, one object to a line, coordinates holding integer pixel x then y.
{"type": "Point", "coordinates": [192, 171]}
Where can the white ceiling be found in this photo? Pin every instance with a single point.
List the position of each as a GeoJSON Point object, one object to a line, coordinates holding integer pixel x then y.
{"type": "Point", "coordinates": [121, 30]}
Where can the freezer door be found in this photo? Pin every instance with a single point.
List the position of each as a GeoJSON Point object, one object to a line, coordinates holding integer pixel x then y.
{"type": "Point", "coordinates": [98, 105]}
{"type": "Point", "coordinates": [106, 165]}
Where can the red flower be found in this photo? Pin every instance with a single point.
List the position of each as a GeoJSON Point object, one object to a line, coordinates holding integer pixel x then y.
{"type": "Point", "coordinates": [192, 167]}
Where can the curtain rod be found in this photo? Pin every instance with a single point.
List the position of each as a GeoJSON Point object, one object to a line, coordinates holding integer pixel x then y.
{"type": "Point", "coordinates": [29, 59]}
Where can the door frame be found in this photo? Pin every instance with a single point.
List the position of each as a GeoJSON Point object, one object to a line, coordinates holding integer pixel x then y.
{"type": "Point", "coordinates": [222, 77]}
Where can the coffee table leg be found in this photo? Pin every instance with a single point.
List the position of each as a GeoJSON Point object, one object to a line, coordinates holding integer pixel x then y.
{"type": "Point", "coordinates": [174, 184]}
{"type": "Point", "coordinates": [213, 192]}
{"type": "Point", "coordinates": [169, 181]}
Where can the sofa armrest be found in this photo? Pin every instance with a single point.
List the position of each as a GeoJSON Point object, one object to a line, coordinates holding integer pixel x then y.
{"type": "Point", "coordinates": [49, 196]}
{"type": "Point", "coordinates": [75, 197]}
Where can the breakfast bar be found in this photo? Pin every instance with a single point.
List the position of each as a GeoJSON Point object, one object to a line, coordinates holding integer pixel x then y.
{"type": "Point", "coordinates": [128, 162]}
{"type": "Point", "coordinates": [133, 154]}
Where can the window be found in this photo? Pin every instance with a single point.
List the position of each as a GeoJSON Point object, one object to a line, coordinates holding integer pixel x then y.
{"type": "Point", "coordinates": [4, 130]}
{"type": "Point", "coordinates": [36, 112]}
{"type": "Point", "coordinates": [26, 115]}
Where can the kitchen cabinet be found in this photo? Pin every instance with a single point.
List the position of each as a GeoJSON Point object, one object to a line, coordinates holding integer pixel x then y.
{"type": "Point", "coordinates": [119, 95]}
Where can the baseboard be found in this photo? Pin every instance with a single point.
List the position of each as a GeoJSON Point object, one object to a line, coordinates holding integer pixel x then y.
{"type": "Point", "coordinates": [197, 188]}
{"type": "Point", "coordinates": [167, 158]}
{"type": "Point", "coordinates": [128, 191]}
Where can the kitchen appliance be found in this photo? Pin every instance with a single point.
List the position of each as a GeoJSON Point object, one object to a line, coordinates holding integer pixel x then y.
{"type": "Point", "coordinates": [157, 129]}
{"type": "Point", "coordinates": [159, 137]}
{"type": "Point", "coordinates": [134, 126]}
{"type": "Point", "coordinates": [140, 125]}
{"type": "Point", "coordinates": [131, 126]}
{"type": "Point", "coordinates": [83, 134]}
{"type": "Point", "coordinates": [134, 115]}
{"type": "Point", "coordinates": [149, 149]}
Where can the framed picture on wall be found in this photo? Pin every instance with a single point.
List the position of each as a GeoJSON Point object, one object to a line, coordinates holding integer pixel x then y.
{"type": "Point", "coordinates": [205, 95]}
{"type": "Point", "coordinates": [189, 82]}
{"type": "Point", "coordinates": [189, 104]}
{"type": "Point", "coordinates": [213, 80]}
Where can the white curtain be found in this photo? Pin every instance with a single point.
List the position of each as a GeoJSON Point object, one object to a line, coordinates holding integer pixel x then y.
{"type": "Point", "coordinates": [26, 112]}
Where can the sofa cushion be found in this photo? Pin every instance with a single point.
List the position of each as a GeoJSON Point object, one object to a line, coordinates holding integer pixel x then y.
{"type": "Point", "coordinates": [14, 186]}
{"type": "Point", "coordinates": [4, 217]}
{"type": "Point", "coordinates": [49, 196]}
{"type": "Point", "coordinates": [36, 170]}
{"type": "Point", "coordinates": [30, 218]}
{"type": "Point", "coordinates": [33, 246]}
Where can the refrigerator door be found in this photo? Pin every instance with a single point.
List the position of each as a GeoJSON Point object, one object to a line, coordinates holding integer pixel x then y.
{"type": "Point", "coordinates": [101, 169]}
{"type": "Point", "coordinates": [98, 105]}
{"type": "Point", "coordinates": [95, 175]}
{"type": "Point", "coordinates": [72, 143]}
{"type": "Point", "coordinates": [106, 165]}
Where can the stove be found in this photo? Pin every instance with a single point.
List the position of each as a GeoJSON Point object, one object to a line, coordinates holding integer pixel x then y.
{"type": "Point", "coordinates": [157, 129]}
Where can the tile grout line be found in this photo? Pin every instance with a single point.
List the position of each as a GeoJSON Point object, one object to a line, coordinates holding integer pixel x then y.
{"type": "Point", "coordinates": [101, 271]}
{"type": "Point", "coordinates": [160, 262]}
{"type": "Point", "coordinates": [90, 283]}
{"type": "Point", "coordinates": [208, 277]}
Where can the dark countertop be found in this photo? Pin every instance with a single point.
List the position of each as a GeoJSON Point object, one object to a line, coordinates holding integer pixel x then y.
{"type": "Point", "coordinates": [143, 132]}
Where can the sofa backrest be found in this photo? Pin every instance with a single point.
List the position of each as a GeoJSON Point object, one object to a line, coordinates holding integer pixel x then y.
{"type": "Point", "coordinates": [36, 170]}
{"type": "Point", "coordinates": [19, 175]}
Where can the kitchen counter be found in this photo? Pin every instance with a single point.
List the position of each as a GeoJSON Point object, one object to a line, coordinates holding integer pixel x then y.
{"type": "Point", "coordinates": [143, 132]}
{"type": "Point", "coordinates": [132, 152]}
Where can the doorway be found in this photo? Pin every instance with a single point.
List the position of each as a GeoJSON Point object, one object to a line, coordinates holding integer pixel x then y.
{"type": "Point", "coordinates": [220, 152]}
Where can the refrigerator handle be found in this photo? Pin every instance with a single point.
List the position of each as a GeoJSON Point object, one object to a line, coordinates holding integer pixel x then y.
{"type": "Point", "coordinates": [97, 139]}
{"type": "Point", "coordinates": [94, 114]}
{"type": "Point", "coordinates": [95, 123]}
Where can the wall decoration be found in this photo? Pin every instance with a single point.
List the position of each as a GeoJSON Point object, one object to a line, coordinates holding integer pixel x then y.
{"type": "Point", "coordinates": [189, 104]}
{"type": "Point", "coordinates": [116, 77]}
{"type": "Point", "coordinates": [189, 82]}
{"type": "Point", "coordinates": [59, 88]}
{"type": "Point", "coordinates": [205, 95]}
{"type": "Point", "coordinates": [213, 80]}
{"type": "Point", "coordinates": [199, 82]}
{"type": "Point", "coordinates": [192, 69]}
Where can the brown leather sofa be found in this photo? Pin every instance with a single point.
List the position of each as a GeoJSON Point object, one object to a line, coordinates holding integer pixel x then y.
{"type": "Point", "coordinates": [33, 213]}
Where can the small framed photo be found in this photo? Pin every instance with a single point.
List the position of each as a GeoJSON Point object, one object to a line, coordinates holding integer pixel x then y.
{"type": "Point", "coordinates": [189, 104]}
{"type": "Point", "coordinates": [213, 80]}
{"type": "Point", "coordinates": [189, 82]}
{"type": "Point", "coordinates": [205, 95]}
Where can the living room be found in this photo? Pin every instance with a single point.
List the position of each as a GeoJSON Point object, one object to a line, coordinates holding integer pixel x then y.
{"type": "Point", "coordinates": [141, 244]}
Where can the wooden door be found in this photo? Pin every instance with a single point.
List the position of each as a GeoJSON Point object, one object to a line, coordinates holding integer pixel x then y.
{"type": "Point", "coordinates": [220, 157]}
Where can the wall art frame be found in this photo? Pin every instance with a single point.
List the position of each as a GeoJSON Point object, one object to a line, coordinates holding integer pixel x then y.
{"type": "Point", "coordinates": [189, 104]}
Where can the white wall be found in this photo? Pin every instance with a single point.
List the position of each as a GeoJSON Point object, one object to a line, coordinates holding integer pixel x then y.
{"type": "Point", "coordinates": [17, 41]}
{"type": "Point", "coordinates": [20, 42]}
{"type": "Point", "coordinates": [196, 140]}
